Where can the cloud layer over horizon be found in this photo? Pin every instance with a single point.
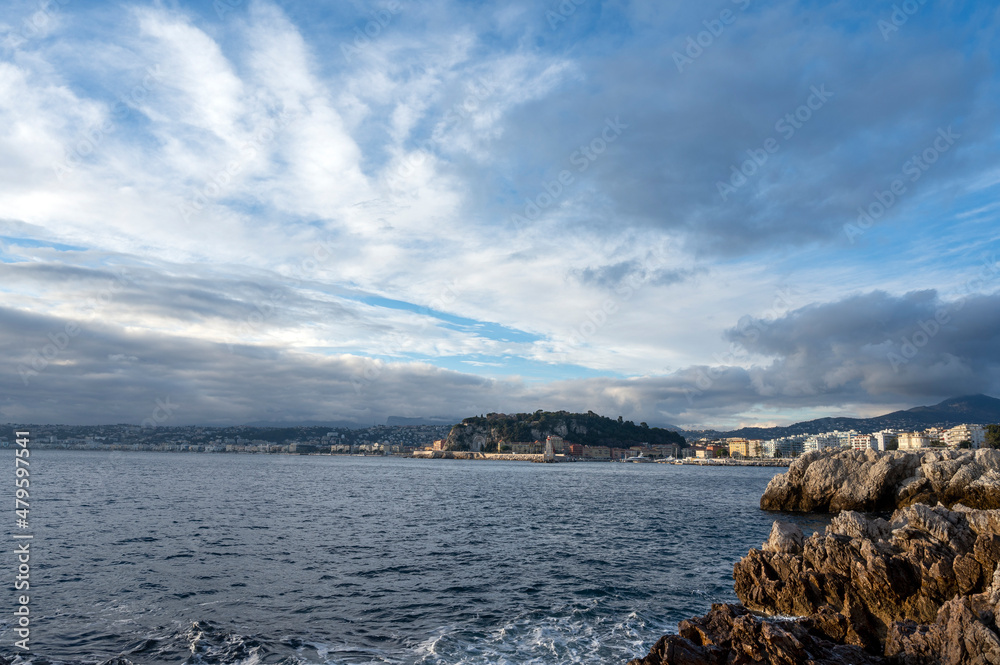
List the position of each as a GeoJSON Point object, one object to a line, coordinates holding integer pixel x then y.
{"type": "Point", "coordinates": [742, 213]}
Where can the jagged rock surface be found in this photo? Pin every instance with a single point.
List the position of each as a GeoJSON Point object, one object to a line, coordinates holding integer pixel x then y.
{"type": "Point", "coordinates": [729, 634]}
{"type": "Point", "coordinates": [919, 588]}
{"type": "Point", "coordinates": [872, 481]}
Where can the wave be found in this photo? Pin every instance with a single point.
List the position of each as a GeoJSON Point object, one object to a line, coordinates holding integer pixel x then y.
{"type": "Point", "coordinates": [575, 635]}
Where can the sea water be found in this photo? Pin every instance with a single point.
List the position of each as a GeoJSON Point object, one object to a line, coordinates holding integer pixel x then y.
{"type": "Point", "coordinates": [227, 558]}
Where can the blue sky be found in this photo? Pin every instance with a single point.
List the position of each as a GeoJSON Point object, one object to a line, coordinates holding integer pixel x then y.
{"type": "Point", "coordinates": [713, 214]}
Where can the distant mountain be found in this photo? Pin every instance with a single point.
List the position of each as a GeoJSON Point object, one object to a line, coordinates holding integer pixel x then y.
{"type": "Point", "coordinates": [399, 421]}
{"type": "Point", "coordinates": [345, 424]}
{"type": "Point", "coordinates": [973, 409]}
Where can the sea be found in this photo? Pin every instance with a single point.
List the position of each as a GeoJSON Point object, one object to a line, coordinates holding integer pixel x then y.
{"type": "Point", "coordinates": [150, 558]}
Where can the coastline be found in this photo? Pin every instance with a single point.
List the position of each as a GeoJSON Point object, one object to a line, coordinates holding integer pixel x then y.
{"type": "Point", "coordinates": [562, 459]}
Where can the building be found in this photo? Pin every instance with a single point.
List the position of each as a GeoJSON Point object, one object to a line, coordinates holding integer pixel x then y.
{"type": "Point", "coordinates": [820, 442]}
{"type": "Point", "coordinates": [438, 445]}
{"type": "Point", "coordinates": [710, 450]}
{"type": "Point", "coordinates": [743, 447]}
{"type": "Point", "coordinates": [913, 440]}
{"type": "Point", "coordinates": [936, 435]}
{"type": "Point", "coordinates": [791, 446]}
{"type": "Point", "coordinates": [862, 442]}
{"type": "Point", "coordinates": [526, 448]}
{"type": "Point", "coordinates": [668, 449]}
{"type": "Point", "coordinates": [576, 449]}
{"type": "Point", "coordinates": [974, 434]}
{"type": "Point", "coordinates": [597, 452]}
{"type": "Point", "coordinates": [886, 440]}
{"type": "Point", "coordinates": [558, 443]}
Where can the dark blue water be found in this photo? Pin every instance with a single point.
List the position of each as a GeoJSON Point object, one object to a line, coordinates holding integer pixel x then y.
{"type": "Point", "coordinates": [187, 558]}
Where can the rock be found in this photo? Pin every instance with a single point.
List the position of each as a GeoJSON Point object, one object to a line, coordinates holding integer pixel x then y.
{"type": "Point", "coordinates": [961, 634]}
{"type": "Point", "coordinates": [785, 537]}
{"type": "Point", "coordinates": [872, 481]}
{"type": "Point", "coordinates": [920, 588]}
{"type": "Point", "coordinates": [856, 525]}
{"type": "Point", "coordinates": [731, 634]}
{"type": "Point", "coordinates": [876, 572]}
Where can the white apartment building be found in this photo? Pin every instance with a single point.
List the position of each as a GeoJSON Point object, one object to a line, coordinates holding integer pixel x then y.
{"type": "Point", "coordinates": [887, 439]}
{"type": "Point", "coordinates": [819, 442]}
{"type": "Point", "coordinates": [784, 447]}
{"type": "Point", "coordinates": [974, 434]}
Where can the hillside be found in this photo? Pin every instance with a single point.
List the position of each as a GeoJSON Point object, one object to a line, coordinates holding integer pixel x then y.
{"type": "Point", "coordinates": [585, 428]}
{"type": "Point", "coordinates": [978, 409]}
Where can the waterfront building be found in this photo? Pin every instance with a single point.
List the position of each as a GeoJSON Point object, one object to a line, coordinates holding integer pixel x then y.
{"type": "Point", "coordinates": [739, 447]}
{"type": "Point", "coordinates": [820, 442]}
{"type": "Point", "coordinates": [597, 452]}
{"type": "Point", "coordinates": [789, 446]}
{"type": "Point", "coordinates": [526, 448]}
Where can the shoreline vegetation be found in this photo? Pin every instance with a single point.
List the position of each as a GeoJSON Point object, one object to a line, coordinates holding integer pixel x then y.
{"type": "Point", "coordinates": [919, 587]}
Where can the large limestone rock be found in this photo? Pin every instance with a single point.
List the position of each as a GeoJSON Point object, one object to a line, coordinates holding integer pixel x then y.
{"type": "Point", "coordinates": [875, 572]}
{"type": "Point", "coordinates": [872, 481]}
{"type": "Point", "coordinates": [920, 588]}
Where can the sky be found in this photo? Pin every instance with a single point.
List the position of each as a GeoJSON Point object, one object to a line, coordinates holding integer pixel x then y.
{"type": "Point", "coordinates": [710, 214]}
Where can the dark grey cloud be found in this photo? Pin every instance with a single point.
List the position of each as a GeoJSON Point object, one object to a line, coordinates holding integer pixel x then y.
{"type": "Point", "coordinates": [878, 346]}
{"type": "Point", "coordinates": [883, 101]}
{"type": "Point", "coordinates": [633, 273]}
{"type": "Point", "coordinates": [842, 353]}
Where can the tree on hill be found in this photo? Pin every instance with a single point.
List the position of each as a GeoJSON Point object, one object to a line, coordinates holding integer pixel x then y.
{"type": "Point", "coordinates": [587, 429]}
{"type": "Point", "coordinates": [993, 436]}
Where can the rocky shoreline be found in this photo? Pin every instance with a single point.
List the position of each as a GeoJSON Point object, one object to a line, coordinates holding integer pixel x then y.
{"type": "Point", "coordinates": [919, 587]}
{"type": "Point", "coordinates": [871, 481]}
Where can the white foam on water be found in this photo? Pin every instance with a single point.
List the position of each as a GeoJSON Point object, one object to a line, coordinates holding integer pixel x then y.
{"type": "Point", "coordinates": [574, 637]}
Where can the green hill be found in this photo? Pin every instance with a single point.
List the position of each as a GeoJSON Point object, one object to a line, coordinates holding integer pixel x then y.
{"type": "Point", "coordinates": [588, 429]}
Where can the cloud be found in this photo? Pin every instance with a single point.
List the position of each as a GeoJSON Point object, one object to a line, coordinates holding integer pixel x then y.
{"type": "Point", "coordinates": [182, 184]}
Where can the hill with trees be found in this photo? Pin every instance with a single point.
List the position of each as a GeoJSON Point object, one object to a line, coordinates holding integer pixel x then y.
{"type": "Point", "coordinates": [589, 429]}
